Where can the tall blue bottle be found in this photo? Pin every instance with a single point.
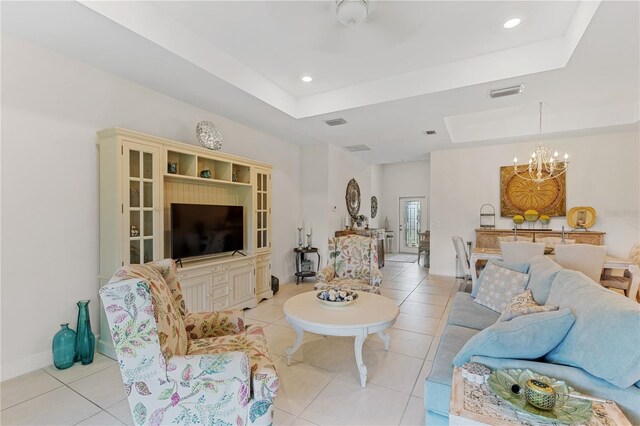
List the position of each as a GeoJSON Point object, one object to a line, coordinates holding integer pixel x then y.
{"type": "Point", "coordinates": [64, 347]}
{"type": "Point", "coordinates": [85, 340]}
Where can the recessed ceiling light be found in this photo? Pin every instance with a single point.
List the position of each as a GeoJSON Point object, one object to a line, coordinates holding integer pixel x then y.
{"type": "Point", "coordinates": [306, 78]}
{"type": "Point", "coordinates": [511, 23]}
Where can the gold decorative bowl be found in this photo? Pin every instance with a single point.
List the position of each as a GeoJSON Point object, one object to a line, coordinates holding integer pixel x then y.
{"type": "Point", "coordinates": [531, 215]}
{"type": "Point", "coordinates": [540, 395]}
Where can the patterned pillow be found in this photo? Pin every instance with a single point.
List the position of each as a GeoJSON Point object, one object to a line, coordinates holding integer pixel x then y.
{"type": "Point", "coordinates": [524, 304]}
{"type": "Point", "coordinates": [500, 286]}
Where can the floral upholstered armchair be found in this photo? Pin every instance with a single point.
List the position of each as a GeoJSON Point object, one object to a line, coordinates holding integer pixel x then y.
{"type": "Point", "coordinates": [353, 265]}
{"type": "Point", "coordinates": [182, 367]}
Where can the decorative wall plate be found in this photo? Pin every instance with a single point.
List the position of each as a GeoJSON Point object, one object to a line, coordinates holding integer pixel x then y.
{"type": "Point", "coordinates": [581, 217]}
{"type": "Point", "coordinates": [208, 135]}
{"type": "Point", "coordinates": [374, 206]}
{"type": "Point", "coordinates": [352, 197]}
{"type": "Point", "coordinates": [518, 195]}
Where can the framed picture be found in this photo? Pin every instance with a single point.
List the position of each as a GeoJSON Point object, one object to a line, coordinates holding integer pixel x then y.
{"type": "Point", "coordinates": [518, 195]}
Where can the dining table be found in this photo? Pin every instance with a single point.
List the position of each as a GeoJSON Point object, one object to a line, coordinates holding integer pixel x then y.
{"type": "Point", "coordinates": [610, 262]}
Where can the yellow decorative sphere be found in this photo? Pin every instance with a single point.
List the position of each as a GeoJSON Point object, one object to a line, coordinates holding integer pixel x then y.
{"type": "Point", "coordinates": [518, 219]}
{"type": "Point", "coordinates": [531, 215]}
{"type": "Point", "coordinates": [544, 219]}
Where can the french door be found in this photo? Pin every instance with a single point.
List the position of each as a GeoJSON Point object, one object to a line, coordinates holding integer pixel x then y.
{"type": "Point", "coordinates": [411, 220]}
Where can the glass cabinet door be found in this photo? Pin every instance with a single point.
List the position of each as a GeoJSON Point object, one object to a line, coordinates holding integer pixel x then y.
{"type": "Point", "coordinates": [140, 208]}
{"type": "Point", "coordinates": [263, 210]}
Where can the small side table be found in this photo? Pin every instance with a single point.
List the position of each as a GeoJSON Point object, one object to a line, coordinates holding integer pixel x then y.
{"type": "Point", "coordinates": [300, 256]}
{"type": "Point", "coordinates": [474, 404]}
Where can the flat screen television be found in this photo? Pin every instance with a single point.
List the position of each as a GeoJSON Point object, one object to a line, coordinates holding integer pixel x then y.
{"type": "Point", "coordinates": [204, 229]}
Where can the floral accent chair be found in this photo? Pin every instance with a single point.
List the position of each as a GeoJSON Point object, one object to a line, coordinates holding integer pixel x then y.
{"type": "Point", "coordinates": [353, 265]}
{"type": "Point", "coordinates": [217, 373]}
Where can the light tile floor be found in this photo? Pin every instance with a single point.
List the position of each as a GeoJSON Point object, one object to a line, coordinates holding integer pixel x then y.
{"type": "Point", "coordinates": [320, 387]}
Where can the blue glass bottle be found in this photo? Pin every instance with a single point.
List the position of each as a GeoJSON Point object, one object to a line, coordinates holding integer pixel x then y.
{"type": "Point", "coordinates": [64, 347]}
{"type": "Point", "coordinates": [85, 340]}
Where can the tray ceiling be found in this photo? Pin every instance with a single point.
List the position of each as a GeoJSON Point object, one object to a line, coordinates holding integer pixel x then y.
{"type": "Point", "coordinates": [412, 66]}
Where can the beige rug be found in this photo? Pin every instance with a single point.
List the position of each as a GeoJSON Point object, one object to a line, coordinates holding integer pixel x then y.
{"type": "Point", "coordinates": [401, 257]}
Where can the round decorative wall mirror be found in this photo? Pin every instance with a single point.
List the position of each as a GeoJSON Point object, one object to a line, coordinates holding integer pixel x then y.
{"type": "Point", "coordinates": [352, 197]}
{"type": "Point", "coordinates": [374, 206]}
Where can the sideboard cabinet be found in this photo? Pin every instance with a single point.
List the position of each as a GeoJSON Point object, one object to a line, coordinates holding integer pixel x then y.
{"type": "Point", "coordinates": [488, 238]}
{"type": "Point", "coordinates": [141, 176]}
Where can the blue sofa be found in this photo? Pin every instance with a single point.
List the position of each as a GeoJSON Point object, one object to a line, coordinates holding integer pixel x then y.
{"type": "Point", "coordinates": [600, 354]}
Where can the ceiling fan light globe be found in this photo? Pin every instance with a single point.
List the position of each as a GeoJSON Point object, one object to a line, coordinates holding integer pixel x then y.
{"type": "Point", "coordinates": [351, 12]}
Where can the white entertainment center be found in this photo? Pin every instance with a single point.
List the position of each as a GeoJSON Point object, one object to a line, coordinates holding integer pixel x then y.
{"type": "Point", "coordinates": [141, 176]}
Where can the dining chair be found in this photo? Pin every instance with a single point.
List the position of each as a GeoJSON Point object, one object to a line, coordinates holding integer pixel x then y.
{"type": "Point", "coordinates": [621, 282]}
{"type": "Point", "coordinates": [552, 242]}
{"type": "Point", "coordinates": [586, 258]}
{"type": "Point", "coordinates": [463, 257]}
{"type": "Point", "coordinates": [424, 247]}
{"type": "Point", "coordinates": [520, 251]}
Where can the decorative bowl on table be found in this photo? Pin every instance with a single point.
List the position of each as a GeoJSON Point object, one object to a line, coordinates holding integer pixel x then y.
{"type": "Point", "coordinates": [566, 410]}
{"type": "Point", "coordinates": [531, 215]}
{"type": "Point", "coordinates": [337, 297]}
{"type": "Point", "coordinates": [518, 219]}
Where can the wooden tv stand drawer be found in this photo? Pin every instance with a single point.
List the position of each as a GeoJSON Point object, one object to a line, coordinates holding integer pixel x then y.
{"type": "Point", "coordinates": [218, 284]}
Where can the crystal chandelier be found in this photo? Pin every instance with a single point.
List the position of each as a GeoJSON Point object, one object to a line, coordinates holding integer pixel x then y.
{"type": "Point", "coordinates": [542, 164]}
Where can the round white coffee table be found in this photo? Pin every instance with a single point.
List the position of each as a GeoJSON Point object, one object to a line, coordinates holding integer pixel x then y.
{"type": "Point", "coordinates": [369, 314]}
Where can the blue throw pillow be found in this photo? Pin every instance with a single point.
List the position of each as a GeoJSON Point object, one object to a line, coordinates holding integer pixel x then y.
{"type": "Point", "coordinates": [605, 340]}
{"type": "Point", "coordinates": [518, 267]}
{"type": "Point", "coordinates": [543, 271]}
{"type": "Point", "coordinates": [525, 337]}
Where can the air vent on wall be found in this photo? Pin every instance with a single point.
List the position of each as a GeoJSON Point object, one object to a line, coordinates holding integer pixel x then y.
{"type": "Point", "coordinates": [336, 122]}
{"type": "Point", "coordinates": [506, 91]}
{"type": "Point", "coordinates": [355, 148]}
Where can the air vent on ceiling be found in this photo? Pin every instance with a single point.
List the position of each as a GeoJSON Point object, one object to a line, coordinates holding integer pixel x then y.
{"type": "Point", "coordinates": [355, 148]}
{"type": "Point", "coordinates": [336, 122]}
{"type": "Point", "coordinates": [506, 91]}
{"type": "Point", "coordinates": [429, 132]}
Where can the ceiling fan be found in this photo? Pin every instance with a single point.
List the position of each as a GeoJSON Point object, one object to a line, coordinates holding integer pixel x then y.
{"type": "Point", "coordinates": [339, 26]}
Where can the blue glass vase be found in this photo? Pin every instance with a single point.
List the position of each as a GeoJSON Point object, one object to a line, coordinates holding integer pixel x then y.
{"type": "Point", "coordinates": [85, 340]}
{"type": "Point", "coordinates": [64, 347]}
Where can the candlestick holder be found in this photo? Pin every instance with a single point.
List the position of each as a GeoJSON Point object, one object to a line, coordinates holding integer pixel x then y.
{"type": "Point", "coordinates": [299, 238]}
{"type": "Point", "coordinates": [308, 240]}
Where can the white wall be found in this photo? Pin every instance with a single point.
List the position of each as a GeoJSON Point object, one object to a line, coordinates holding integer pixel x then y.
{"type": "Point", "coordinates": [326, 171]}
{"type": "Point", "coordinates": [315, 198]}
{"type": "Point", "coordinates": [52, 107]}
{"type": "Point", "coordinates": [405, 179]}
{"type": "Point", "coordinates": [603, 173]}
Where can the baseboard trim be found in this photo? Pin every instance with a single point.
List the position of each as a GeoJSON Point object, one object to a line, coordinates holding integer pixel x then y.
{"type": "Point", "coordinates": [27, 365]}
{"type": "Point", "coordinates": [107, 349]}
{"type": "Point", "coordinates": [33, 363]}
{"type": "Point", "coordinates": [443, 272]}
